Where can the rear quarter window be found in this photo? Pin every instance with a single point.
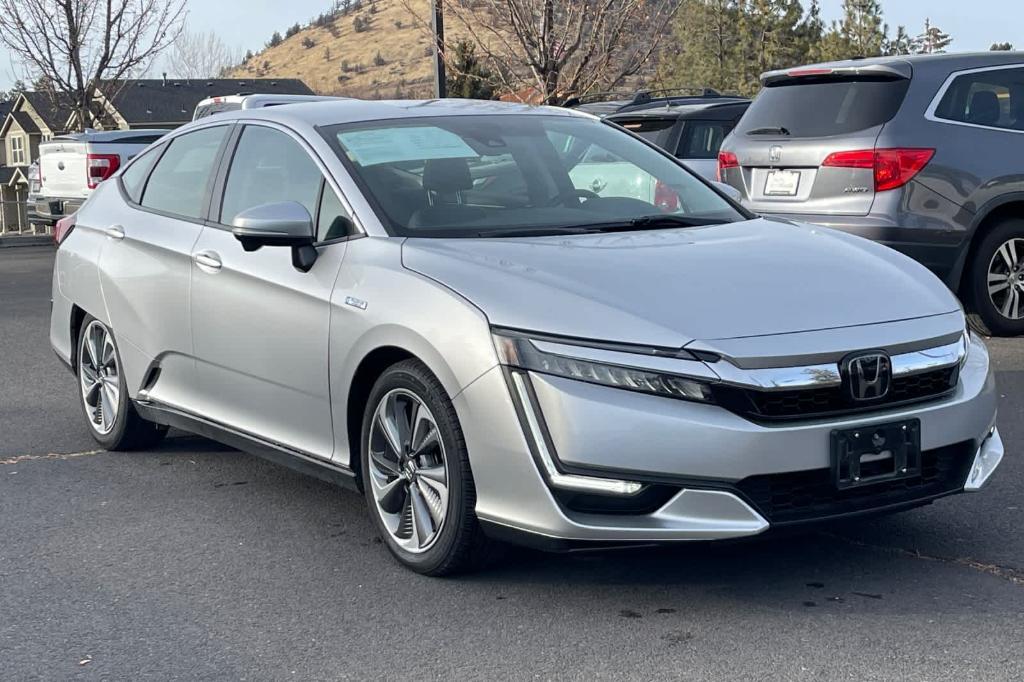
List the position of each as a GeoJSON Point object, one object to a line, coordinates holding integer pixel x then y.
{"type": "Point", "coordinates": [134, 177]}
{"type": "Point", "coordinates": [993, 98]}
{"type": "Point", "coordinates": [825, 107]}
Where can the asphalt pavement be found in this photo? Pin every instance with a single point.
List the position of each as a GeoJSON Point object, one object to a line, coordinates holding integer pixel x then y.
{"type": "Point", "coordinates": [196, 561]}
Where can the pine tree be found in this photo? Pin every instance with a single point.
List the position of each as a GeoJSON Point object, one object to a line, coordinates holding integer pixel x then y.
{"type": "Point", "coordinates": [899, 44]}
{"type": "Point", "coordinates": [766, 30]}
{"type": "Point", "coordinates": [860, 33]}
{"type": "Point", "coordinates": [933, 41]}
{"type": "Point", "coordinates": [705, 49]}
{"type": "Point", "coordinates": [1001, 47]}
{"type": "Point", "coordinates": [809, 33]}
{"type": "Point", "coordinates": [469, 78]}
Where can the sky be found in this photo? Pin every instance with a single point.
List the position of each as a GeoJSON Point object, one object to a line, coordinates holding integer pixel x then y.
{"type": "Point", "coordinates": [247, 24]}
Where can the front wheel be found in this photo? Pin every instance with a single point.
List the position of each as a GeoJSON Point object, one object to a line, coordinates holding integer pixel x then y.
{"type": "Point", "coordinates": [416, 473]}
{"type": "Point", "coordinates": [111, 417]}
{"type": "Point", "coordinates": [997, 281]}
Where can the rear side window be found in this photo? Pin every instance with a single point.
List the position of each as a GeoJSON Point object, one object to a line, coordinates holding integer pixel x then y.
{"type": "Point", "coordinates": [268, 167]}
{"type": "Point", "coordinates": [180, 179]}
{"type": "Point", "coordinates": [702, 139]}
{"type": "Point", "coordinates": [656, 130]}
{"type": "Point", "coordinates": [824, 107]}
{"type": "Point", "coordinates": [992, 98]}
{"type": "Point", "coordinates": [134, 177]}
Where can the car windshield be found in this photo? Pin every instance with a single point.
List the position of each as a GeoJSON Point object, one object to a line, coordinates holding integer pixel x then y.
{"type": "Point", "coordinates": [505, 175]}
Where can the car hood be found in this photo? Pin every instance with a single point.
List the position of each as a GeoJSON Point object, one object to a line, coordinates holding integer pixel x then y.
{"type": "Point", "coordinates": [669, 287]}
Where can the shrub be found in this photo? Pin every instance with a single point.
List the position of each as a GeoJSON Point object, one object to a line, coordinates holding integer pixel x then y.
{"type": "Point", "coordinates": [275, 40]}
{"type": "Point", "coordinates": [308, 42]}
{"type": "Point", "coordinates": [378, 60]}
{"type": "Point", "coordinates": [292, 30]}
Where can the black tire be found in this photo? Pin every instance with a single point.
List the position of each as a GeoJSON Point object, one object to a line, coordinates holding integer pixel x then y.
{"type": "Point", "coordinates": [460, 544]}
{"type": "Point", "coordinates": [983, 314]}
{"type": "Point", "coordinates": [129, 431]}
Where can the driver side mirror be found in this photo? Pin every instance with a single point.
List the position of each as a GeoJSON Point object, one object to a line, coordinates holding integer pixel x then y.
{"type": "Point", "coordinates": [285, 223]}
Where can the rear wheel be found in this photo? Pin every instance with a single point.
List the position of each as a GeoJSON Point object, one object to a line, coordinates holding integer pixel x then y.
{"type": "Point", "coordinates": [111, 417]}
{"type": "Point", "coordinates": [997, 281]}
{"type": "Point", "coordinates": [416, 473]}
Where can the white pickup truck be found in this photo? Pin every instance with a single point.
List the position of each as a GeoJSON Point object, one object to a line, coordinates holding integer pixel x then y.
{"type": "Point", "coordinates": [71, 166]}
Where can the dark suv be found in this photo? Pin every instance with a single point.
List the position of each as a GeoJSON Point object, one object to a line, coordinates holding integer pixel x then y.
{"type": "Point", "coordinates": [690, 127]}
{"type": "Point", "coordinates": [922, 153]}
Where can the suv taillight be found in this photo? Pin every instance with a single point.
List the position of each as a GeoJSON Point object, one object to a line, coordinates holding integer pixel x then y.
{"type": "Point", "coordinates": [63, 228]}
{"type": "Point", "coordinates": [100, 167]}
{"type": "Point", "coordinates": [892, 167]}
{"type": "Point", "coordinates": [726, 160]}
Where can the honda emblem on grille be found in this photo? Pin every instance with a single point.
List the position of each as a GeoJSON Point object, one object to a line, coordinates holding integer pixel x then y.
{"type": "Point", "coordinates": [868, 375]}
{"type": "Point", "coordinates": [774, 153]}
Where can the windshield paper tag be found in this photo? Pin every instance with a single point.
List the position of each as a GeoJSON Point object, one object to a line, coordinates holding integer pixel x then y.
{"type": "Point", "coordinates": [414, 143]}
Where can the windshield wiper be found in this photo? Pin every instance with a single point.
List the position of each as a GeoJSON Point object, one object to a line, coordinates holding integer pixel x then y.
{"type": "Point", "coordinates": [646, 222]}
{"type": "Point", "coordinates": [769, 130]}
{"type": "Point", "coordinates": [536, 231]}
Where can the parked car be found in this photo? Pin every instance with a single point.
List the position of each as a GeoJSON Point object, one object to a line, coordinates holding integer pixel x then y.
{"type": "Point", "coordinates": [217, 105]}
{"type": "Point", "coordinates": [418, 299]}
{"type": "Point", "coordinates": [72, 166]}
{"type": "Point", "coordinates": [690, 127]}
{"type": "Point", "coordinates": [921, 153]}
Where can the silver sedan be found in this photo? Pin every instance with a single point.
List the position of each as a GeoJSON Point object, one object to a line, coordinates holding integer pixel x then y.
{"type": "Point", "coordinates": [510, 323]}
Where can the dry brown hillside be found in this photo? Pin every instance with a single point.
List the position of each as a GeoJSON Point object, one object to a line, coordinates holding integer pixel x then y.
{"type": "Point", "coordinates": [390, 57]}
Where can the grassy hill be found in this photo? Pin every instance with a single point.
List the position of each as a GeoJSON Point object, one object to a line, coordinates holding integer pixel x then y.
{"type": "Point", "coordinates": [376, 51]}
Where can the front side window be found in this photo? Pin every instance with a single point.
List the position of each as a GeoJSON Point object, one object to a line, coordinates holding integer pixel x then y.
{"type": "Point", "coordinates": [992, 98]}
{"type": "Point", "coordinates": [269, 167]}
{"type": "Point", "coordinates": [17, 150]}
{"type": "Point", "coordinates": [483, 176]}
{"type": "Point", "coordinates": [178, 184]}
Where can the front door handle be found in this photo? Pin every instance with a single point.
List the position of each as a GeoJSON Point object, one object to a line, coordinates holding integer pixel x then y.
{"type": "Point", "coordinates": [115, 232]}
{"type": "Point", "coordinates": [207, 260]}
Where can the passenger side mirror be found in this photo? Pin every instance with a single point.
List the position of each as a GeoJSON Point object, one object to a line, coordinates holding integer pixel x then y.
{"type": "Point", "coordinates": [286, 223]}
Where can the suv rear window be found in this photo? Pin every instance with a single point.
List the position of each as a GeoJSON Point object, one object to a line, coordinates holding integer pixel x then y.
{"type": "Point", "coordinates": [656, 130]}
{"type": "Point", "coordinates": [825, 107]}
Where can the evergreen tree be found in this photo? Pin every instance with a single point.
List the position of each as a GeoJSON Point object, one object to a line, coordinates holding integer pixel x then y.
{"type": "Point", "coordinates": [809, 33]}
{"type": "Point", "coordinates": [860, 33]}
{"type": "Point", "coordinates": [469, 78]}
{"type": "Point", "coordinates": [704, 46]}
{"type": "Point", "coordinates": [899, 44]}
{"type": "Point", "coordinates": [933, 41]}
{"type": "Point", "coordinates": [1001, 47]}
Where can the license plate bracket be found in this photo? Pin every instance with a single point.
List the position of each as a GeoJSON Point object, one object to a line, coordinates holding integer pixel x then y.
{"type": "Point", "coordinates": [782, 183]}
{"type": "Point", "coordinates": [876, 453]}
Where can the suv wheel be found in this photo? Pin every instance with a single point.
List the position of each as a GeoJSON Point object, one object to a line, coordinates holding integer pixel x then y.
{"type": "Point", "coordinates": [111, 417]}
{"type": "Point", "coordinates": [416, 474]}
{"type": "Point", "coordinates": [997, 281]}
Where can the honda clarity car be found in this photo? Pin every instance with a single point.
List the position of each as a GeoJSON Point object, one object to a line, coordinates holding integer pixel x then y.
{"type": "Point", "coordinates": [433, 303]}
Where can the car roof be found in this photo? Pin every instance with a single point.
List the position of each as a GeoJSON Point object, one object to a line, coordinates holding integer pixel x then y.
{"type": "Point", "coordinates": [109, 135]}
{"type": "Point", "coordinates": [359, 110]}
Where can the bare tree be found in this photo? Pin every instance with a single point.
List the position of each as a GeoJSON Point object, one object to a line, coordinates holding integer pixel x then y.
{"type": "Point", "coordinates": [559, 48]}
{"type": "Point", "coordinates": [200, 55]}
{"type": "Point", "coordinates": [81, 47]}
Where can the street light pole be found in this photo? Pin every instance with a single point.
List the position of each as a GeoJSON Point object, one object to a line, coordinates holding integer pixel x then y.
{"type": "Point", "coordinates": [440, 84]}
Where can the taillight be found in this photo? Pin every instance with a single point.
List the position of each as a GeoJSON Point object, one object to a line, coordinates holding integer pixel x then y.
{"type": "Point", "coordinates": [100, 167]}
{"type": "Point", "coordinates": [726, 160]}
{"type": "Point", "coordinates": [665, 198]}
{"type": "Point", "coordinates": [892, 168]}
{"type": "Point", "coordinates": [63, 228]}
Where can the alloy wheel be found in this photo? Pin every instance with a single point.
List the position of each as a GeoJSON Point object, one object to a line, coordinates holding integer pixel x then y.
{"type": "Point", "coordinates": [408, 470]}
{"type": "Point", "coordinates": [1006, 279]}
{"type": "Point", "coordinates": [99, 377]}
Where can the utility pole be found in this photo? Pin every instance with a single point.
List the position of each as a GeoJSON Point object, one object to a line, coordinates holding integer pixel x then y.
{"type": "Point", "coordinates": [440, 85]}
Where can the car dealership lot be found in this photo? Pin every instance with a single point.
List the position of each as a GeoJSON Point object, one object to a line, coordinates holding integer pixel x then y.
{"type": "Point", "coordinates": [195, 560]}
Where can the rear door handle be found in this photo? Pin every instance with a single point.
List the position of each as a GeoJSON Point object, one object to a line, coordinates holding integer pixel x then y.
{"type": "Point", "coordinates": [114, 232]}
{"type": "Point", "coordinates": [207, 260]}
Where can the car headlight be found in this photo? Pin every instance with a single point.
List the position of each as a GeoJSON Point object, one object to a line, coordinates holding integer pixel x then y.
{"type": "Point", "coordinates": [519, 351]}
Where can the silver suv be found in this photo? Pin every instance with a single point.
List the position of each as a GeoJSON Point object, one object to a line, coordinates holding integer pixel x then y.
{"type": "Point", "coordinates": [431, 301]}
{"type": "Point", "coordinates": [921, 153]}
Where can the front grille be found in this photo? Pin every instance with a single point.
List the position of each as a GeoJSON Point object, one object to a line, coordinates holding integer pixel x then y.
{"type": "Point", "coordinates": [809, 495]}
{"type": "Point", "coordinates": [833, 400]}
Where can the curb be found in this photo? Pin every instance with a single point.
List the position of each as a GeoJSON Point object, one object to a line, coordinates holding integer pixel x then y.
{"type": "Point", "coordinates": [26, 240]}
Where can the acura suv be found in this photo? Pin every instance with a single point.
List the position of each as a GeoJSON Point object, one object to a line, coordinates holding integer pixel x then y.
{"type": "Point", "coordinates": [922, 153]}
{"type": "Point", "coordinates": [428, 302]}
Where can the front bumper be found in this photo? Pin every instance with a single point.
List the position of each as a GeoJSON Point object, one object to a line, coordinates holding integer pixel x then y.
{"type": "Point", "coordinates": [703, 456]}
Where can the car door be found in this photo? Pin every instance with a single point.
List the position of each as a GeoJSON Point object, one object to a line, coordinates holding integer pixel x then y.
{"type": "Point", "coordinates": [145, 263]}
{"type": "Point", "coordinates": [260, 326]}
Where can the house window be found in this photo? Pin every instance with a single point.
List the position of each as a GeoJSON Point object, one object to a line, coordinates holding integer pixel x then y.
{"type": "Point", "coordinates": [18, 150]}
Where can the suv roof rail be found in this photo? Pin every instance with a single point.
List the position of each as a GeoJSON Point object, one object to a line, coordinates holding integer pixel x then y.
{"type": "Point", "coordinates": [645, 98]}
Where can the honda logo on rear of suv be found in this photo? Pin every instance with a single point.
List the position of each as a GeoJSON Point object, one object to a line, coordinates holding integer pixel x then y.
{"type": "Point", "coordinates": [868, 375]}
{"type": "Point", "coordinates": [775, 153]}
